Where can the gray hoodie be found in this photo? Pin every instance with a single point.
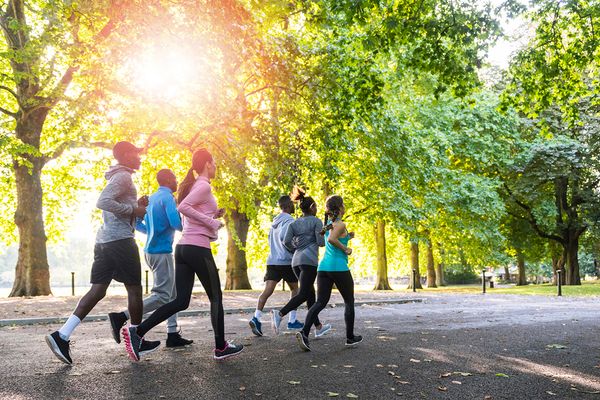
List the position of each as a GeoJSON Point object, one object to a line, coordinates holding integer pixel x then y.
{"type": "Point", "coordinates": [304, 238]}
{"type": "Point", "coordinates": [117, 201]}
{"type": "Point", "coordinates": [278, 254]}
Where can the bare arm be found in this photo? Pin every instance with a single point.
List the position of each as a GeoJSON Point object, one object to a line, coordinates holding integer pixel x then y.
{"type": "Point", "coordinates": [339, 228]}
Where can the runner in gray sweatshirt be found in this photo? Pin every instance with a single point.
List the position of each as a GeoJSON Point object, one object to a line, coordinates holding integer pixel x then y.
{"type": "Point", "coordinates": [279, 266]}
{"type": "Point", "coordinates": [304, 238]}
{"type": "Point", "coordinates": [116, 255]}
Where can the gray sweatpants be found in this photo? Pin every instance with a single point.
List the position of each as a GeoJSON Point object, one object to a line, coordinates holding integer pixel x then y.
{"type": "Point", "coordinates": [163, 289]}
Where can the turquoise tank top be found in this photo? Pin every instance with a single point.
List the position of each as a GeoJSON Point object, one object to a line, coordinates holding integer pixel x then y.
{"type": "Point", "coordinates": [334, 259]}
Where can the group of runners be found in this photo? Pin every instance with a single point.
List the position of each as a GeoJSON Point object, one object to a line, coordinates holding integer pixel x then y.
{"type": "Point", "coordinates": [293, 257]}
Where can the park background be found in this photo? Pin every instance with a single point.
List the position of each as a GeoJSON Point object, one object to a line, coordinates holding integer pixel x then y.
{"type": "Point", "coordinates": [463, 135]}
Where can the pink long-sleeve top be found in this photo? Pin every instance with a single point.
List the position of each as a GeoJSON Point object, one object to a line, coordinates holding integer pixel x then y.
{"type": "Point", "coordinates": [199, 209]}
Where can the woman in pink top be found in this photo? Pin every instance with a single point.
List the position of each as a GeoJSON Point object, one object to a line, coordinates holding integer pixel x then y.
{"type": "Point", "coordinates": [193, 257]}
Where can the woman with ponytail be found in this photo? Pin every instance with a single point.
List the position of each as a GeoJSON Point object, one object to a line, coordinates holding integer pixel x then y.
{"type": "Point", "coordinates": [303, 238]}
{"type": "Point", "coordinates": [333, 269]}
{"type": "Point", "coordinates": [193, 257]}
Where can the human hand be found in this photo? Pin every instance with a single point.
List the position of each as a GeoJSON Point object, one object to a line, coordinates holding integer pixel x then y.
{"type": "Point", "coordinates": [143, 201]}
{"type": "Point", "coordinates": [221, 224]}
{"type": "Point", "coordinates": [220, 213]}
{"type": "Point", "coordinates": [348, 251]}
{"type": "Point", "coordinates": [139, 211]}
{"type": "Point", "coordinates": [351, 234]}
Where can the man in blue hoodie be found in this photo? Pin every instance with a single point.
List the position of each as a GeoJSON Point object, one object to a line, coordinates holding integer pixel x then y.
{"type": "Point", "coordinates": [160, 223]}
{"type": "Point", "coordinates": [116, 255]}
{"type": "Point", "coordinates": [279, 266]}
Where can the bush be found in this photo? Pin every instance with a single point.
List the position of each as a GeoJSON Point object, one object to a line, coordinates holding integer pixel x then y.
{"type": "Point", "coordinates": [458, 274]}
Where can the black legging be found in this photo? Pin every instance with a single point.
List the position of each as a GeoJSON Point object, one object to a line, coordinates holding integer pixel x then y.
{"type": "Point", "coordinates": [345, 284]}
{"type": "Point", "coordinates": [190, 260]}
{"type": "Point", "coordinates": [306, 275]}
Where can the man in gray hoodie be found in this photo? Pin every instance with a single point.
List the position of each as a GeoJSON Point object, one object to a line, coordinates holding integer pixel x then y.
{"type": "Point", "coordinates": [116, 255]}
{"type": "Point", "coordinates": [279, 266]}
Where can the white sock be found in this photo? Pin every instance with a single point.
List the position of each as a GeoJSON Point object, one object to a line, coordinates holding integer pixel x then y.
{"type": "Point", "coordinates": [69, 327]}
{"type": "Point", "coordinates": [257, 314]}
{"type": "Point", "coordinates": [292, 317]}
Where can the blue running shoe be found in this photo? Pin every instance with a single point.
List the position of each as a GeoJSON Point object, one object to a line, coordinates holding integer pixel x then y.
{"type": "Point", "coordinates": [295, 326]}
{"type": "Point", "coordinates": [256, 326]}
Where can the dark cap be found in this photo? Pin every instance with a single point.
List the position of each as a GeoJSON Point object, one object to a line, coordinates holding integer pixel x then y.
{"type": "Point", "coordinates": [123, 148]}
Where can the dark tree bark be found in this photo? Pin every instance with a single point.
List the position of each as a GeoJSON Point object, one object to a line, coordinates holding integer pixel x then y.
{"type": "Point", "coordinates": [414, 264]}
{"type": "Point", "coordinates": [522, 279]}
{"type": "Point", "coordinates": [382, 266]}
{"type": "Point", "coordinates": [439, 269]}
{"type": "Point", "coordinates": [237, 267]}
{"type": "Point", "coordinates": [431, 277]}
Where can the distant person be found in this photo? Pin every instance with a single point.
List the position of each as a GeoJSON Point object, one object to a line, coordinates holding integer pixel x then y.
{"type": "Point", "coordinates": [333, 269]}
{"type": "Point", "coordinates": [193, 256]}
{"type": "Point", "coordinates": [160, 223]}
{"type": "Point", "coordinates": [279, 266]}
{"type": "Point", "coordinates": [116, 255]}
{"type": "Point", "coordinates": [304, 238]}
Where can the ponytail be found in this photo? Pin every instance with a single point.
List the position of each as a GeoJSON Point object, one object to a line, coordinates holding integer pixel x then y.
{"type": "Point", "coordinates": [199, 160]}
{"type": "Point", "coordinates": [186, 185]}
{"type": "Point", "coordinates": [332, 212]}
{"type": "Point", "coordinates": [305, 202]}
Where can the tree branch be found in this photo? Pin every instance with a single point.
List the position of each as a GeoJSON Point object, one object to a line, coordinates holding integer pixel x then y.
{"type": "Point", "coordinates": [9, 113]}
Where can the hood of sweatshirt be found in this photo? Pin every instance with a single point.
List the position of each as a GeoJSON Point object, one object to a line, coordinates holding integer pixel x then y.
{"type": "Point", "coordinates": [281, 219]}
{"type": "Point", "coordinates": [114, 169]}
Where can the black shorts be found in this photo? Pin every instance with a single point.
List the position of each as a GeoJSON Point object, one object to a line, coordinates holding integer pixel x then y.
{"type": "Point", "coordinates": [118, 260]}
{"type": "Point", "coordinates": [279, 272]}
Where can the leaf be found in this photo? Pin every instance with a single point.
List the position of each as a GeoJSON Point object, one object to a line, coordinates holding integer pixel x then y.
{"type": "Point", "coordinates": [556, 346]}
{"type": "Point", "coordinates": [550, 393]}
{"type": "Point", "coordinates": [332, 394]}
{"type": "Point", "coordinates": [348, 366]}
{"type": "Point", "coordinates": [381, 366]}
{"type": "Point", "coordinates": [391, 373]}
{"type": "Point", "coordinates": [351, 396]}
{"type": "Point", "coordinates": [75, 374]}
{"type": "Point", "coordinates": [442, 388]}
{"type": "Point", "coordinates": [447, 374]}
{"type": "Point", "coordinates": [457, 382]}
{"type": "Point", "coordinates": [462, 373]}
{"type": "Point", "coordinates": [501, 375]}
{"type": "Point", "coordinates": [414, 360]}
{"type": "Point", "coordinates": [242, 388]}
{"type": "Point", "coordinates": [293, 382]}
{"type": "Point", "coordinates": [112, 372]}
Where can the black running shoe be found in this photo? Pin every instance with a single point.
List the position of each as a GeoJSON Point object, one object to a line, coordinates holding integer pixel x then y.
{"type": "Point", "coordinates": [148, 346]}
{"type": "Point", "coordinates": [175, 340]}
{"type": "Point", "coordinates": [303, 341]}
{"type": "Point", "coordinates": [356, 339]}
{"type": "Point", "coordinates": [133, 342]}
{"type": "Point", "coordinates": [230, 350]}
{"type": "Point", "coordinates": [117, 320]}
{"type": "Point", "coordinates": [59, 347]}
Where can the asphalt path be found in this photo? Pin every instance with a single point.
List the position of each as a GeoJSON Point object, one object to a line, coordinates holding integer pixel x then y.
{"type": "Point", "coordinates": [447, 347]}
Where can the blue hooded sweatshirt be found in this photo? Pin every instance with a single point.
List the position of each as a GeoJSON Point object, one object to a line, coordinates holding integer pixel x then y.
{"type": "Point", "coordinates": [278, 254]}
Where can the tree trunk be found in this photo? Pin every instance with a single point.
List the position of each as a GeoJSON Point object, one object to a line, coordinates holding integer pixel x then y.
{"type": "Point", "coordinates": [382, 272]}
{"type": "Point", "coordinates": [32, 273]}
{"type": "Point", "coordinates": [439, 269]}
{"type": "Point", "coordinates": [596, 268]}
{"type": "Point", "coordinates": [522, 280]}
{"type": "Point", "coordinates": [430, 266]}
{"type": "Point", "coordinates": [414, 264]}
{"type": "Point", "coordinates": [237, 268]}
{"type": "Point", "coordinates": [506, 273]}
{"type": "Point", "coordinates": [571, 260]}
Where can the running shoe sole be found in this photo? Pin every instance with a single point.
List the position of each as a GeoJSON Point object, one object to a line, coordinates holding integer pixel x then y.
{"type": "Point", "coordinates": [128, 347]}
{"type": "Point", "coordinates": [325, 332]}
{"type": "Point", "coordinates": [221, 358]}
{"type": "Point", "coordinates": [55, 349]}
{"type": "Point", "coordinates": [254, 328]}
{"type": "Point", "coordinates": [274, 324]}
{"type": "Point", "coordinates": [146, 352]}
{"type": "Point", "coordinates": [301, 343]}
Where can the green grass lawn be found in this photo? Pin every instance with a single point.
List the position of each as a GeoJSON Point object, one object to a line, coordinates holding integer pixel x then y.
{"type": "Point", "coordinates": [586, 289]}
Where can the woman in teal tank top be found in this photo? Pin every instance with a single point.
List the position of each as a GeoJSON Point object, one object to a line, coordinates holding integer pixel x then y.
{"type": "Point", "coordinates": [333, 270]}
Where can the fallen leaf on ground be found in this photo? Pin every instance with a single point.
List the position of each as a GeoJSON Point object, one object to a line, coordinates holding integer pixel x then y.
{"type": "Point", "coordinates": [462, 373]}
{"type": "Point", "coordinates": [392, 366]}
{"type": "Point", "coordinates": [402, 382]}
{"type": "Point", "coordinates": [442, 388]}
{"type": "Point", "coordinates": [556, 346]}
{"type": "Point", "coordinates": [242, 388]}
{"type": "Point", "coordinates": [293, 382]}
{"type": "Point", "coordinates": [314, 366]}
{"type": "Point", "coordinates": [75, 374]}
{"type": "Point", "coordinates": [379, 365]}
{"type": "Point", "coordinates": [348, 366]}
{"type": "Point", "coordinates": [391, 373]}
{"type": "Point", "coordinates": [550, 393]}
{"type": "Point", "coordinates": [112, 372]}
{"type": "Point", "coordinates": [352, 396]}
{"type": "Point", "coordinates": [502, 375]}
{"type": "Point", "coordinates": [457, 382]}
{"type": "Point", "coordinates": [447, 374]}
{"type": "Point", "coordinates": [415, 361]}
{"type": "Point", "coordinates": [332, 394]}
